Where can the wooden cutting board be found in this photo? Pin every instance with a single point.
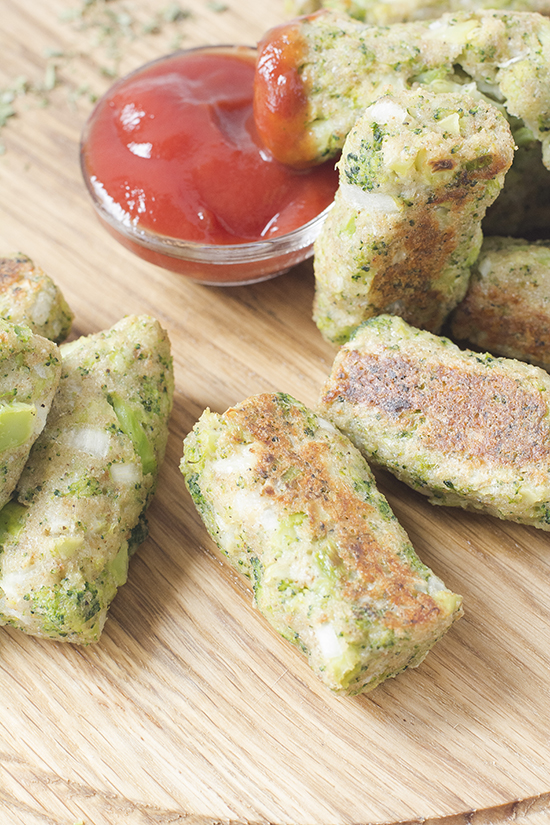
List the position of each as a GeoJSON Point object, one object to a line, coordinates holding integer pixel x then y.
{"type": "Point", "coordinates": [191, 709]}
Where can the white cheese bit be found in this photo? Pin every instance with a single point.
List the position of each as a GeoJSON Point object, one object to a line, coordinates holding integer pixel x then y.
{"type": "Point", "coordinates": [126, 474]}
{"type": "Point", "coordinates": [249, 503]}
{"type": "Point", "coordinates": [57, 522]}
{"type": "Point", "coordinates": [269, 520]}
{"type": "Point", "coordinates": [328, 641]}
{"type": "Point", "coordinates": [435, 585]}
{"type": "Point", "coordinates": [327, 425]}
{"type": "Point", "coordinates": [384, 111]}
{"type": "Point", "coordinates": [485, 267]}
{"type": "Point", "coordinates": [43, 306]}
{"type": "Point", "coordinates": [241, 461]}
{"type": "Point", "coordinates": [459, 33]}
{"type": "Point", "coordinates": [370, 201]}
{"type": "Point", "coordinates": [90, 440]}
{"type": "Point", "coordinates": [14, 585]}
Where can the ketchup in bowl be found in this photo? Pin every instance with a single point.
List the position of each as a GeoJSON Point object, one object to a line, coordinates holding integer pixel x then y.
{"type": "Point", "coordinates": [179, 175]}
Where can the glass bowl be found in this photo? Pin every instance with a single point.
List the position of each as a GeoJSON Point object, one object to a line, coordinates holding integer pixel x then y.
{"type": "Point", "coordinates": [207, 263]}
{"type": "Point", "coordinates": [215, 264]}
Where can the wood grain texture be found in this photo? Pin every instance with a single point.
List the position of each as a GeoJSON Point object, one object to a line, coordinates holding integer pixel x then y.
{"type": "Point", "coordinates": [190, 709]}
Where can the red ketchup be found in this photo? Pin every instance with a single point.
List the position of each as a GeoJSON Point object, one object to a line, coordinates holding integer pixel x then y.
{"type": "Point", "coordinates": [280, 102]}
{"type": "Point", "coordinates": [172, 152]}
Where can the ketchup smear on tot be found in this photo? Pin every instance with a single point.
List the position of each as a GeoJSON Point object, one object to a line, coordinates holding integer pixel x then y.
{"type": "Point", "coordinates": [173, 150]}
{"type": "Point", "coordinates": [280, 100]}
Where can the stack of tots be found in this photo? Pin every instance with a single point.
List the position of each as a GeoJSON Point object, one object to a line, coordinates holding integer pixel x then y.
{"type": "Point", "coordinates": [83, 431]}
{"type": "Point", "coordinates": [429, 117]}
{"type": "Point", "coordinates": [381, 12]}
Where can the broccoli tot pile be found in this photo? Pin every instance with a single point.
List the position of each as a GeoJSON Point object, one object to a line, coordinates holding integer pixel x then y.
{"type": "Point", "coordinates": [295, 507]}
{"type": "Point", "coordinates": [382, 12]}
{"type": "Point", "coordinates": [336, 66]}
{"type": "Point", "coordinates": [78, 511]}
{"type": "Point", "coordinates": [417, 173]}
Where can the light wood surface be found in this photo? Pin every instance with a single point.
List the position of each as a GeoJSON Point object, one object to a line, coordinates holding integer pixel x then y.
{"type": "Point", "coordinates": [190, 709]}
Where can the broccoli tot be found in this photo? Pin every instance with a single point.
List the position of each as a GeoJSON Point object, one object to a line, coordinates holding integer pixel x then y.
{"type": "Point", "coordinates": [295, 508]}
{"type": "Point", "coordinates": [30, 367]}
{"type": "Point", "coordinates": [78, 511]}
{"type": "Point", "coordinates": [466, 429]}
{"type": "Point", "coordinates": [29, 296]}
{"type": "Point", "coordinates": [317, 74]}
{"type": "Point", "coordinates": [507, 307]}
{"type": "Point", "coordinates": [417, 173]}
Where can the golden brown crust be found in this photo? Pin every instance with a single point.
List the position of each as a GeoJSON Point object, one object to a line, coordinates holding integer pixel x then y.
{"type": "Point", "coordinates": [427, 245]}
{"type": "Point", "coordinates": [489, 417]}
{"type": "Point", "coordinates": [409, 283]}
{"type": "Point", "coordinates": [14, 269]}
{"type": "Point", "coordinates": [531, 328]}
{"type": "Point", "coordinates": [373, 567]}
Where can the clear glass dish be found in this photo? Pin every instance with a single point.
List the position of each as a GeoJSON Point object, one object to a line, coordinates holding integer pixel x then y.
{"type": "Point", "coordinates": [206, 263]}
{"type": "Point", "coordinates": [213, 264]}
